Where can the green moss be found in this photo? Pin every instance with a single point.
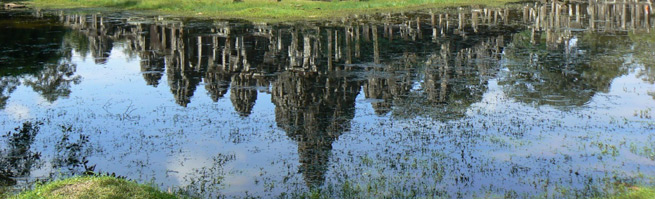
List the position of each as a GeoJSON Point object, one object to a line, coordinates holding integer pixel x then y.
{"type": "Point", "coordinates": [93, 187]}
{"type": "Point", "coordinates": [264, 10]}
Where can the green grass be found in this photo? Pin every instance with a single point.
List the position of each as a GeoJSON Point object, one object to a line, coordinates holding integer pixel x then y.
{"type": "Point", "coordinates": [634, 193]}
{"type": "Point", "coordinates": [264, 10]}
{"type": "Point", "coordinates": [105, 187]}
{"type": "Point", "coordinates": [93, 187]}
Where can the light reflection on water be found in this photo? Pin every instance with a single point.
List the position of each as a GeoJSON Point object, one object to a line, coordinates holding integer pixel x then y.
{"type": "Point", "coordinates": [529, 100]}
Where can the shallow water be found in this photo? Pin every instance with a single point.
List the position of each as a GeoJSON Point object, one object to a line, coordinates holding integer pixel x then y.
{"type": "Point", "coordinates": [529, 100]}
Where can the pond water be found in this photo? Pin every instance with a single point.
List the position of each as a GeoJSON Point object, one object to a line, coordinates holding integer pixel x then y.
{"type": "Point", "coordinates": [526, 100]}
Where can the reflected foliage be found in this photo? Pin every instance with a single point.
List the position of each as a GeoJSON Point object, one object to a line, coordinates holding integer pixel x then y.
{"type": "Point", "coordinates": [644, 53]}
{"type": "Point", "coordinates": [27, 43]}
{"type": "Point", "coordinates": [34, 50]}
{"type": "Point", "coordinates": [7, 86]}
{"type": "Point", "coordinates": [54, 81]}
{"type": "Point", "coordinates": [72, 152]}
{"type": "Point", "coordinates": [17, 159]}
{"type": "Point", "coordinates": [565, 76]}
{"type": "Point", "coordinates": [552, 64]}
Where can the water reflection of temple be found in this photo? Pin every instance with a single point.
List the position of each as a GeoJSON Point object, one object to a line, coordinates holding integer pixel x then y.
{"type": "Point", "coordinates": [433, 64]}
{"type": "Point", "coordinates": [245, 58]}
{"type": "Point", "coordinates": [396, 51]}
{"type": "Point", "coordinates": [314, 109]}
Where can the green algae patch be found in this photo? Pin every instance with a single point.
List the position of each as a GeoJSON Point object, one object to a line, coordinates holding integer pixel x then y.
{"type": "Point", "coordinates": [93, 187]}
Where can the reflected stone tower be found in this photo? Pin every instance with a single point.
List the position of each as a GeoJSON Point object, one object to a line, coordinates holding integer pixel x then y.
{"type": "Point", "coordinates": [314, 110]}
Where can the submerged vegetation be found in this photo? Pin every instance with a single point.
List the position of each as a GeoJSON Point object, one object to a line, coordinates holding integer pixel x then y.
{"type": "Point", "coordinates": [264, 10]}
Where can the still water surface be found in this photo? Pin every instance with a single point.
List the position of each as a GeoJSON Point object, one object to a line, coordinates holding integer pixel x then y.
{"type": "Point", "coordinates": [528, 100]}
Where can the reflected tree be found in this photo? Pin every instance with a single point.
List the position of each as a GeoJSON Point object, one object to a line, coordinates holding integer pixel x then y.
{"type": "Point", "coordinates": [571, 52]}
{"type": "Point", "coordinates": [30, 50]}
{"type": "Point", "coordinates": [643, 52]}
{"type": "Point", "coordinates": [7, 86]}
{"type": "Point", "coordinates": [26, 46]}
{"type": "Point", "coordinates": [71, 152]}
{"type": "Point", "coordinates": [17, 159]}
{"type": "Point", "coordinates": [54, 81]}
{"type": "Point", "coordinates": [77, 42]}
{"type": "Point", "coordinates": [562, 75]}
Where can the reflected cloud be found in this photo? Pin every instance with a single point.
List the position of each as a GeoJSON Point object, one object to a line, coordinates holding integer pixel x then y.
{"type": "Point", "coordinates": [18, 112]}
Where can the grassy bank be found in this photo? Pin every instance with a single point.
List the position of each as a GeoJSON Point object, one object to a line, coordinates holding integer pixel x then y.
{"type": "Point", "coordinates": [635, 193]}
{"type": "Point", "coordinates": [93, 187]}
{"type": "Point", "coordinates": [263, 10]}
{"type": "Point", "coordinates": [103, 187]}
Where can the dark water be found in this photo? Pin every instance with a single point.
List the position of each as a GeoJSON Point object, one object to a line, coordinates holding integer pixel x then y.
{"type": "Point", "coordinates": [528, 100]}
